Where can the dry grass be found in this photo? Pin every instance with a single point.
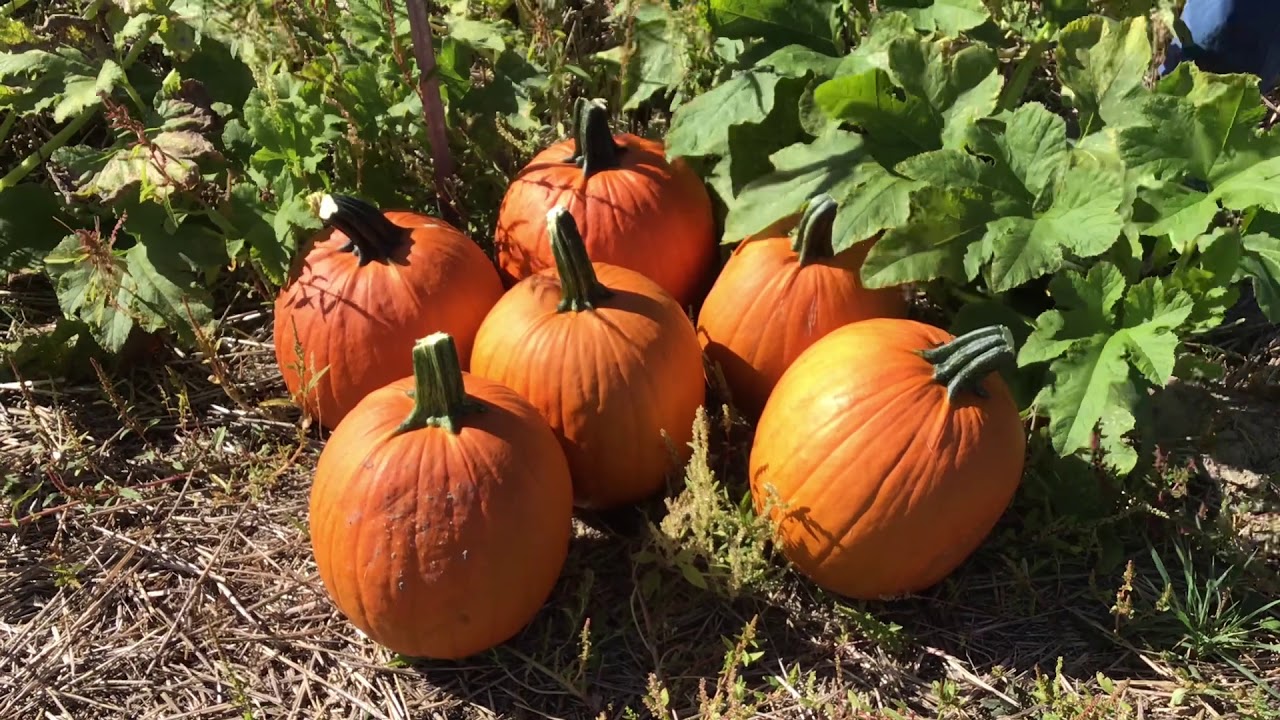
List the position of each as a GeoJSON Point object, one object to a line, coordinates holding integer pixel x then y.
{"type": "Point", "coordinates": [157, 565]}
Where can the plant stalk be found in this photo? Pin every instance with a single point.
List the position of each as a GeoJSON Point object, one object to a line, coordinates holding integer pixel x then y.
{"type": "Point", "coordinates": [962, 363]}
{"type": "Point", "coordinates": [813, 235]}
{"type": "Point", "coordinates": [580, 289]}
{"type": "Point", "coordinates": [432, 103]}
{"type": "Point", "coordinates": [596, 149]}
{"type": "Point", "coordinates": [370, 235]}
{"type": "Point", "coordinates": [440, 398]}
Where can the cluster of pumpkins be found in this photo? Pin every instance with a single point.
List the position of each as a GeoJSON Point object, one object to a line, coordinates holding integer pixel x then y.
{"type": "Point", "coordinates": [473, 404]}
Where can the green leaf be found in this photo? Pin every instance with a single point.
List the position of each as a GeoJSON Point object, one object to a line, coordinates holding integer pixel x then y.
{"type": "Point", "coordinates": [1084, 218]}
{"type": "Point", "coordinates": [167, 292]}
{"type": "Point", "coordinates": [950, 17]}
{"type": "Point", "coordinates": [1102, 65]}
{"type": "Point", "coordinates": [1098, 333]}
{"type": "Point", "coordinates": [750, 145]}
{"type": "Point", "coordinates": [1032, 146]}
{"type": "Point", "coordinates": [656, 58]}
{"type": "Point", "coordinates": [799, 172]}
{"type": "Point", "coordinates": [799, 61]}
{"type": "Point", "coordinates": [878, 200]}
{"type": "Point", "coordinates": [901, 127]}
{"type": "Point", "coordinates": [1039, 204]}
{"type": "Point", "coordinates": [1206, 273]}
{"type": "Point", "coordinates": [944, 223]}
{"type": "Point", "coordinates": [93, 284]}
{"type": "Point", "coordinates": [924, 97]}
{"type": "Point", "coordinates": [29, 226]}
{"type": "Point", "coordinates": [82, 92]}
{"type": "Point", "coordinates": [1187, 213]}
{"type": "Point", "coordinates": [701, 126]}
{"type": "Point", "coordinates": [1261, 262]}
{"type": "Point", "coordinates": [807, 22]}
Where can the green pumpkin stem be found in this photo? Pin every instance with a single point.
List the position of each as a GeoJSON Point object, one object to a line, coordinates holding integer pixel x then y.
{"type": "Point", "coordinates": [370, 235]}
{"type": "Point", "coordinates": [595, 148]}
{"type": "Point", "coordinates": [580, 289]}
{"type": "Point", "coordinates": [439, 397]}
{"type": "Point", "coordinates": [962, 363]}
{"type": "Point", "coordinates": [813, 235]}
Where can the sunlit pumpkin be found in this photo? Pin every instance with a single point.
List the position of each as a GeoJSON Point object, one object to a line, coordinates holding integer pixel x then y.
{"type": "Point", "coordinates": [441, 510]}
{"type": "Point", "coordinates": [370, 284]}
{"type": "Point", "coordinates": [886, 454]}
{"type": "Point", "coordinates": [777, 295]}
{"type": "Point", "coordinates": [608, 358]}
{"type": "Point", "coordinates": [635, 208]}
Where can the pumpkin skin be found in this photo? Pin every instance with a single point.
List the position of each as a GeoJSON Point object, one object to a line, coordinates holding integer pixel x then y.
{"type": "Point", "coordinates": [635, 209]}
{"type": "Point", "coordinates": [609, 360]}
{"type": "Point", "coordinates": [886, 480]}
{"type": "Point", "coordinates": [371, 284]}
{"type": "Point", "coordinates": [775, 297]}
{"type": "Point", "coordinates": [444, 539]}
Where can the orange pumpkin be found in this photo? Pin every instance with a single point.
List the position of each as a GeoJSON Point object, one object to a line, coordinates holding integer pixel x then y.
{"type": "Point", "coordinates": [372, 283]}
{"type": "Point", "coordinates": [636, 210]}
{"type": "Point", "coordinates": [887, 452]}
{"type": "Point", "coordinates": [776, 296]}
{"type": "Point", "coordinates": [441, 510]}
{"type": "Point", "coordinates": [608, 358]}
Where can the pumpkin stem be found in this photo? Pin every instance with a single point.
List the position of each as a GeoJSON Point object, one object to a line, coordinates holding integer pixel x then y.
{"type": "Point", "coordinates": [370, 235]}
{"type": "Point", "coordinates": [439, 397]}
{"type": "Point", "coordinates": [580, 289]}
{"type": "Point", "coordinates": [595, 148]}
{"type": "Point", "coordinates": [962, 363]}
{"type": "Point", "coordinates": [813, 234]}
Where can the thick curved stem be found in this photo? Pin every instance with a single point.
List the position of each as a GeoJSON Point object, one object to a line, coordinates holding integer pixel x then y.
{"type": "Point", "coordinates": [813, 234]}
{"type": "Point", "coordinates": [962, 363]}
{"type": "Point", "coordinates": [370, 235]}
{"type": "Point", "coordinates": [596, 149]}
{"type": "Point", "coordinates": [580, 289]}
{"type": "Point", "coordinates": [439, 398]}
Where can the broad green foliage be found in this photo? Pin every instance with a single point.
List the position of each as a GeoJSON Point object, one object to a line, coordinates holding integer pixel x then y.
{"type": "Point", "coordinates": [1019, 160]}
{"type": "Point", "coordinates": [167, 172]}
{"type": "Point", "coordinates": [1093, 226]}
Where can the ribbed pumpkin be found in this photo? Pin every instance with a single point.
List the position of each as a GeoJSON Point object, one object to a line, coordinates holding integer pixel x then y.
{"type": "Point", "coordinates": [777, 295]}
{"type": "Point", "coordinates": [608, 358]}
{"type": "Point", "coordinates": [893, 448]}
{"type": "Point", "coordinates": [635, 209]}
{"type": "Point", "coordinates": [441, 510]}
{"type": "Point", "coordinates": [370, 284]}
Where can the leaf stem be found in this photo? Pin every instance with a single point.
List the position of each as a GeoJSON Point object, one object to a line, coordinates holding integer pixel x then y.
{"type": "Point", "coordinates": [580, 289]}
{"type": "Point", "coordinates": [1022, 73]}
{"type": "Point", "coordinates": [962, 363]}
{"type": "Point", "coordinates": [12, 7]}
{"type": "Point", "coordinates": [813, 234]}
{"type": "Point", "coordinates": [10, 120]}
{"type": "Point", "coordinates": [440, 398]}
{"type": "Point", "coordinates": [32, 161]}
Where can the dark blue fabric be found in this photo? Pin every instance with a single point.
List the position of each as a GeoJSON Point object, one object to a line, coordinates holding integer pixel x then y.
{"type": "Point", "coordinates": [1231, 36]}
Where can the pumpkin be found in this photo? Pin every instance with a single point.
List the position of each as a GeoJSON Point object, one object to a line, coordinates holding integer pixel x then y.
{"type": "Point", "coordinates": [441, 510]}
{"type": "Point", "coordinates": [610, 361]}
{"type": "Point", "coordinates": [776, 295]}
{"type": "Point", "coordinates": [636, 210]}
{"type": "Point", "coordinates": [886, 454]}
{"type": "Point", "coordinates": [370, 284]}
